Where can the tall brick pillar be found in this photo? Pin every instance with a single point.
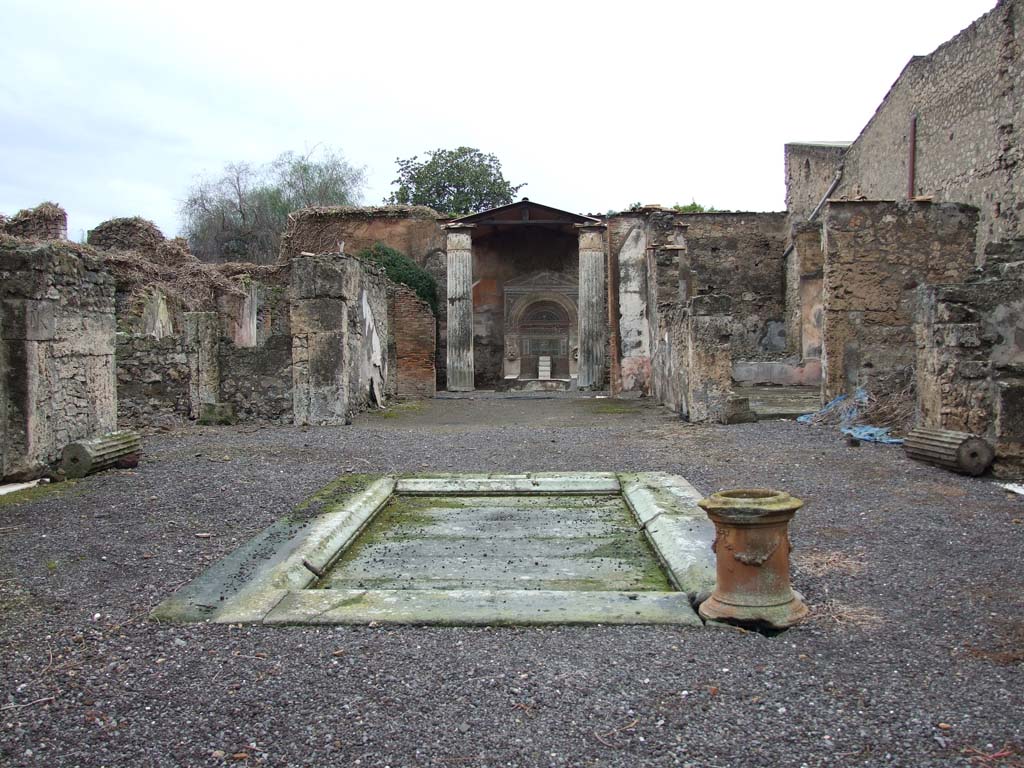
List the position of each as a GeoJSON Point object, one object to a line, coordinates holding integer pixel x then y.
{"type": "Point", "coordinates": [591, 306]}
{"type": "Point", "coordinates": [460, 308]}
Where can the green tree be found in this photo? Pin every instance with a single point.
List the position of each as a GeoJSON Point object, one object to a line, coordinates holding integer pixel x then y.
{"type": "Point", "coordinates": [401, 269]}
{"type": "Point", "coordinates": [453, 181]}
{"type": "Point", "coordinates": [240, 215]}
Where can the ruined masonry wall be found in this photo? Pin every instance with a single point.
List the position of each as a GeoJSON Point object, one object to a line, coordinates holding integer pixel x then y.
{"type": "Point", "coordinates": [627, 241]}
{"type": "Point", "coordinates": [810, 171]}
{"type": "Point", "coordinates": [257, 381]}
{"type": "Point", "coordinates": [46, 221]}
{"type": "Point", "coordinates": [152, 380]}
{"type": "Point", "coordinates": [670, 361]}
{"type": "Point", "coordinates": [968, 101]}
{"type": "Point", "coordinates": [414, 230]}
{"type": "Point", "coordinates": [803, 292]}
{"type": "Point", "coordinates": [970, 355]}
{"type": "Point", "coordinates": [57, 375]}
{"type": "Point", "coordinates": [740, 255]}
{"type": "Point", "coordinates": [340, 332]}
{"type": "Point", "coordinates": [876, 255]}
{"type": "Point", "coordinates": [255, 351]}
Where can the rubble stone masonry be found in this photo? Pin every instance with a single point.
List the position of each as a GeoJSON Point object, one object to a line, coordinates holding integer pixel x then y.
{"type": "Point", "coordinates": [57, 376]}
{"type": "Point", "coordinates": [970, 355]}
{"type": "Point", "coordinates": [741, 255]}
{"type": "Point", "coordinates": [968, 102]}
{"type": "Point", "coordinates": [876, 255]}
{"type": "Point", "coordinates": [47, 221]}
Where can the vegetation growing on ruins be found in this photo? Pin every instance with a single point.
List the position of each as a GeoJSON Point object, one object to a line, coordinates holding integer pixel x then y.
{"type": "Point", "coordinates": [240, 215]}
{"type": "Point", "coordinates": [694, 207]}
{"type": "Point", "coordinates": [453, 181]}
{"type": "Point", "coordinates": [401, 269]}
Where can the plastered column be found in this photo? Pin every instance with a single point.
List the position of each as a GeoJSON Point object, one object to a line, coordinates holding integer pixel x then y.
{"type": "Point", "coordinates": [202, 329]}
{"type": "Point", "coordinates": [591, 299]}
{"type": "Point", "coordinates": [460, 308]}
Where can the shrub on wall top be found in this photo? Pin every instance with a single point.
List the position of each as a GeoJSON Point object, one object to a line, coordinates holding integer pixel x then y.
{"type": "Point", "coordinates": [401, 269]}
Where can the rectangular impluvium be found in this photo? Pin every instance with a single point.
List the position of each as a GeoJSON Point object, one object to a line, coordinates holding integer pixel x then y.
{"type": "Point", "coordinates": [472, 549]}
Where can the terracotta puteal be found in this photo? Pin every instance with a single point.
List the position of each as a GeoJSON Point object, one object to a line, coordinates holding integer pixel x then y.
{"type": "Point", "coordinates": [752, 558]}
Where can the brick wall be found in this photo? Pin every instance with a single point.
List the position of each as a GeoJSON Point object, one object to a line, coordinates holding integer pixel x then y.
{"type": "Point", "coordinates": [411, 229]}
{"type": "Point", "coordinates": [46, 221]}
{"type": "Point", "coordinates": [412, 327]}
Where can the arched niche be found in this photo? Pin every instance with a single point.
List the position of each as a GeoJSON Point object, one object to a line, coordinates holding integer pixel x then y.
{"type": "Point", "coordinates": [541, 323]}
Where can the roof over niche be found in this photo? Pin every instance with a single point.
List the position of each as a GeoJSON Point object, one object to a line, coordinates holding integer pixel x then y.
{"type": "Point", "coordinates": [524, 212]}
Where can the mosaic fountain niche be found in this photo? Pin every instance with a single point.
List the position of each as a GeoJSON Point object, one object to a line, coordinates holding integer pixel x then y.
{"type": "Point", "coordinates": [540, 548]}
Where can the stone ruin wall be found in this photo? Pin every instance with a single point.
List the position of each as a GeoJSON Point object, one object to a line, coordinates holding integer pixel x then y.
{"type": "Point", "coordinates": [695, 290]}
{"type": "Point", "coordinates": [252, 337]}
{"type": "Point", "coordinates": [47, 221]}
{"type": "Point", "coordinates": [254, 348]}
{"type": "Point", "coordinates": [133, 331]}
{"type": "Point", "coordinates": [627, 243]}
{"type": "Point", "coordinates": [57, 371]}
{"type": "Point", "coordinates": [968, 100]}
{"type": "Point", "coordinates": [339, 326]}
{"type": "Point", "coordinates": [804, 306]}
{"type": "Point", "coordinates": [810, 171]}
{"type": "Point", "coordinates": [160, 289]}
{"type": "Point", "coordinates": [970, 355]}
{"type": "Point", "coordinates": [413, 230]}
{"type": "Point", "coordinates": [876, 255]}
{"type": "Point", "coordinates": [152, 380]}
{"type": "Point", "coordinates": [741, 255]}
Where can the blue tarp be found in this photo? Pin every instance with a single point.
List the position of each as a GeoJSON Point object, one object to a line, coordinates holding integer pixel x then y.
{"type": "Point", "coordinates": [849, 413]}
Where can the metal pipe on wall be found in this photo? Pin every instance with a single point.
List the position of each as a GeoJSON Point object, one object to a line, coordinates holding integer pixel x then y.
{"type": "Point", "coordinates": [912, 160]}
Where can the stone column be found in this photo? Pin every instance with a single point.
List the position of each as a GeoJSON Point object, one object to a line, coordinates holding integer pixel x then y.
{"type": "Point", "coordinates": [592, 340]}
{"type": "Point", "coordinates": [460, 308]}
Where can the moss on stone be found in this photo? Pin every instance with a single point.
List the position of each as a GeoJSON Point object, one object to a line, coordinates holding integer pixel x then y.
{"type": "Point", "coordinates": [603, 406]}
{"type": "Point", "coordinates": [335, 492]}
{"type": "Point", "coordinates": [398, 410]}
{"type": "Point", "coordinates": [42, 491]}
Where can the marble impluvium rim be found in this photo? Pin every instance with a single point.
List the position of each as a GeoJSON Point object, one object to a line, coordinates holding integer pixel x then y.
{"type": "Point", "coordinates": [250, 586]}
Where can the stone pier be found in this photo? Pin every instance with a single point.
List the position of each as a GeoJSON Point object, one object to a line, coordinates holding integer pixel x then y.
{"type": "Point", "coordinates": [591, 306]}
{"type": "Point", "coordinates": [460, 308]}
{"type": "Point", "coordinates": [202, 331]}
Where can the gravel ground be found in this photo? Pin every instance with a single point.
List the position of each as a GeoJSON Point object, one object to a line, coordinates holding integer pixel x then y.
{"type": "Point", "coordinates": [913, 658]}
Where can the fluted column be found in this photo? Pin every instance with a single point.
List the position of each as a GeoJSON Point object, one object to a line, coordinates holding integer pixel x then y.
{"type": "Point", "coordinates": [591, 310]}
{"type": "Point", "coordinates": [460, 307]}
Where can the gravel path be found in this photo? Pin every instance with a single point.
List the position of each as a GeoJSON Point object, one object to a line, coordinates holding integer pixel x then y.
{"type": "Point", "coordinates": [914, 657]}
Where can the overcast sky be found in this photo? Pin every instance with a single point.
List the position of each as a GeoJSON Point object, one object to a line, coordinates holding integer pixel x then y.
{"type": "Point", "coordinates": [113, 108]}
